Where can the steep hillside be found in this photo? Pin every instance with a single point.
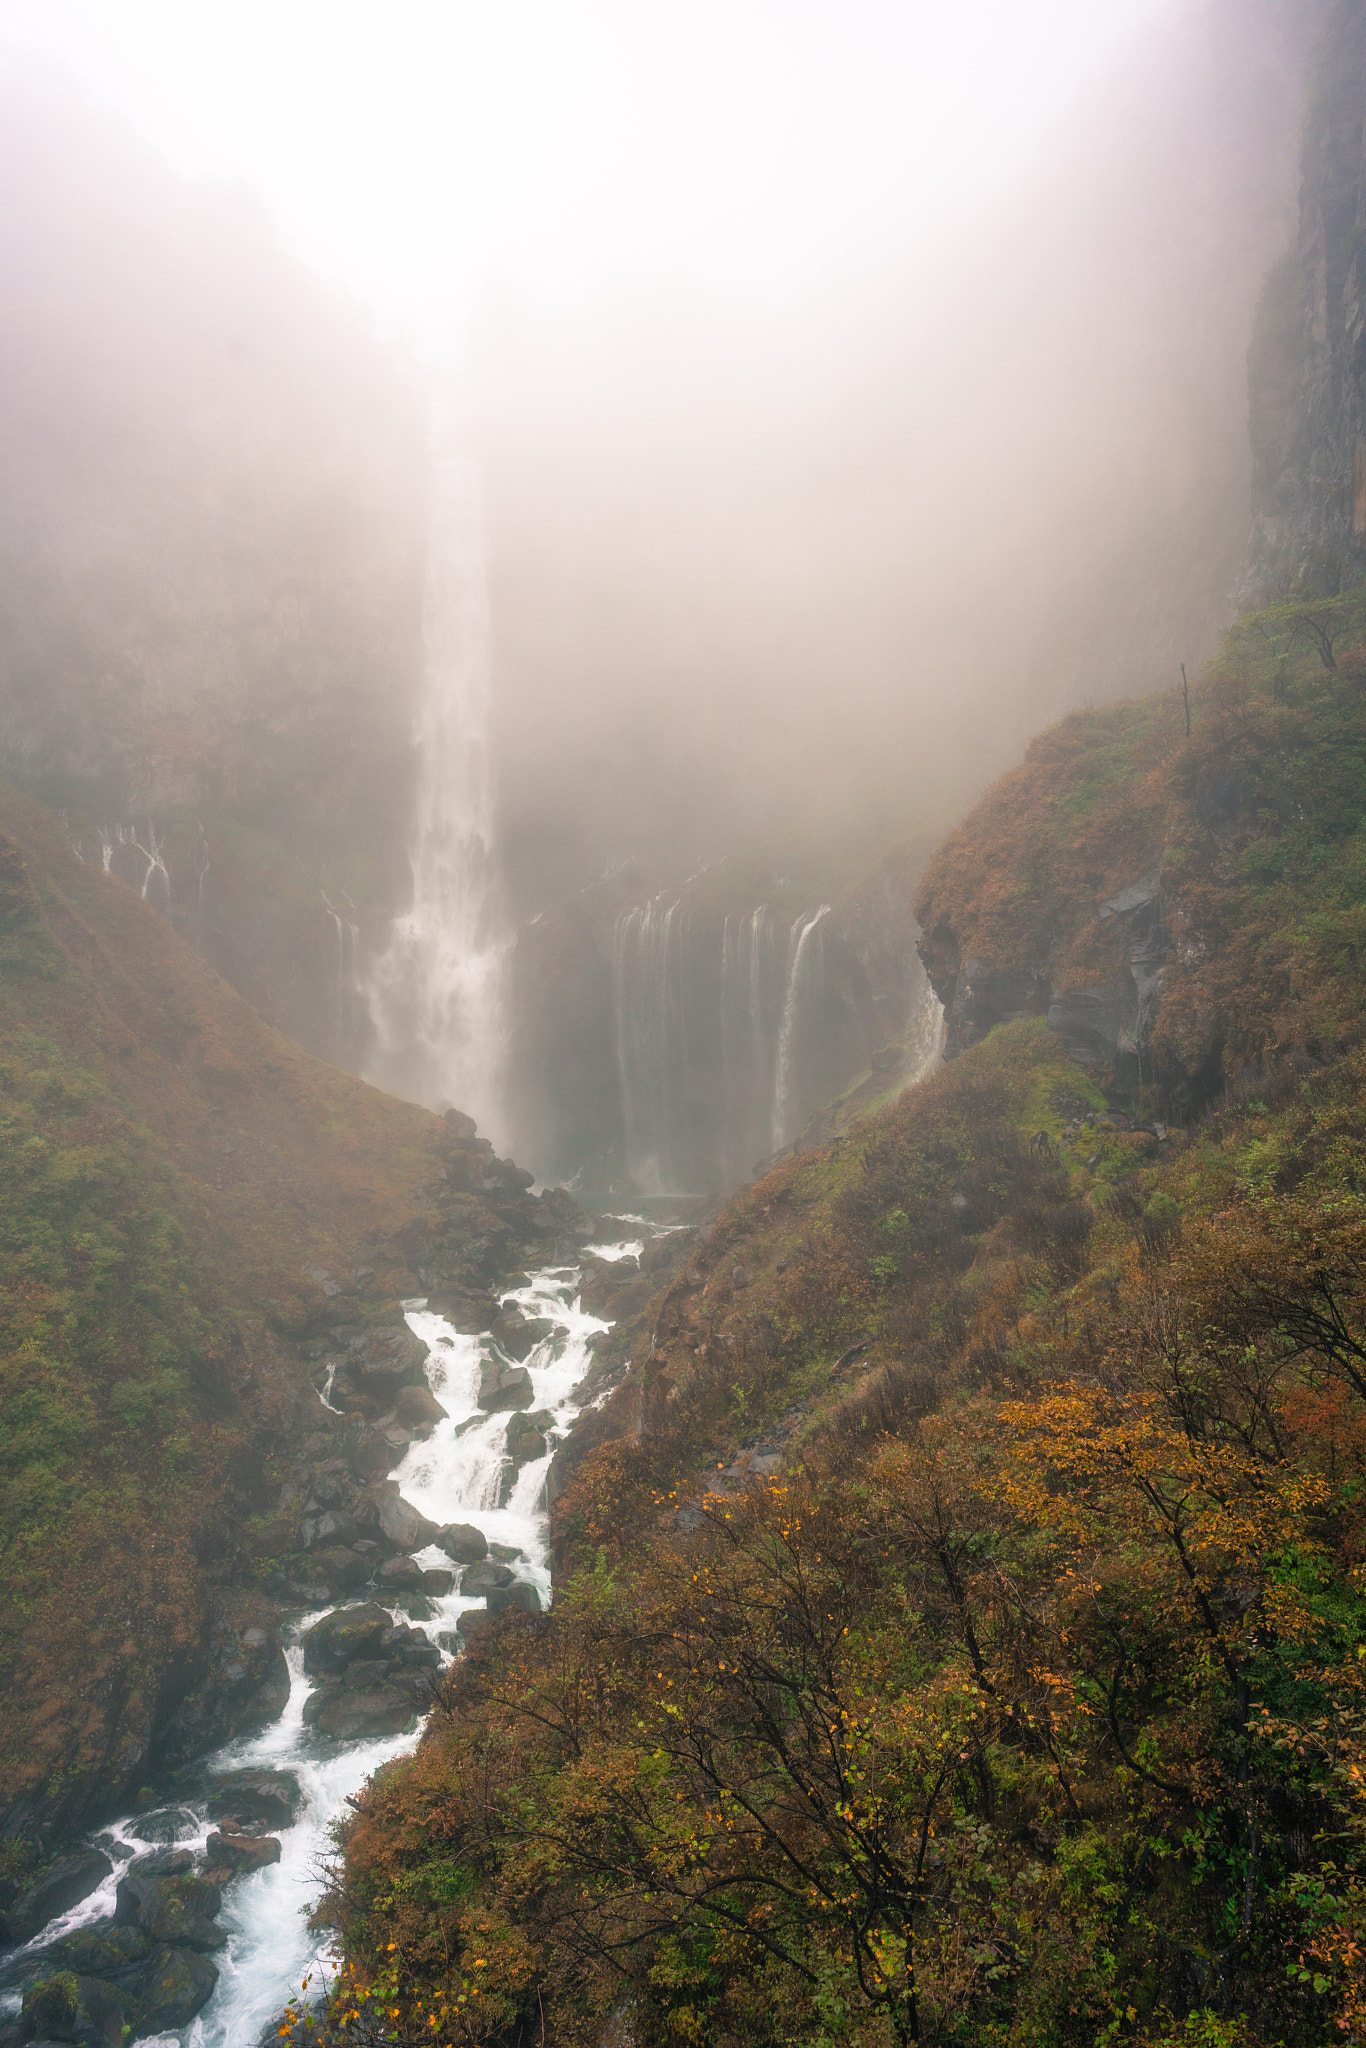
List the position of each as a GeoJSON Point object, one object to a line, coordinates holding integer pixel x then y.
{"type": "Point", "coordinates": [190, 1204]}
{"type": "Point", "coordinates": [1181, 906]}
{"type": "Point", "coordinates": [960, 1594]}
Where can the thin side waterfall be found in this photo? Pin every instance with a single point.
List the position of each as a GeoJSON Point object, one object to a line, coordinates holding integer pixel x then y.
{"type": "Point", "coordinates": [649, 987]}
{"type": "Point", "coordinates": [748, 992]}
{"type": "Point", "coordinates": [434, 993]}
{"type": "Point", "coordinates": [799, 952]}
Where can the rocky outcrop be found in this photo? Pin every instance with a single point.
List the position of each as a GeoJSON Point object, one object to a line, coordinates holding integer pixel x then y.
{"type": "Point", "coordinates": [1307, 361]}
{"type": "Point", "coordinates": [372, 1677]}
{"type": "Point", "coordinates": [1103, 1013]}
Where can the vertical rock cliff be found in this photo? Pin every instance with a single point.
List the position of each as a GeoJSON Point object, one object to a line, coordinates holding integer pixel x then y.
{"type": "Point", "coordinates": [1307, 361]}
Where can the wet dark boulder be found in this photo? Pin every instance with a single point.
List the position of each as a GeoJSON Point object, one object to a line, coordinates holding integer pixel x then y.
{"type": "Point", "coordinates": [174, 1986]}
{"type": "Point", "coordinates": [438, 1584]}
{"type": "Point", "coordinates": [410, 1648]}
{"type": "Point", "coordinates": [176, 1911]}
{"type": "Point", "coordinates": [378, 1362]}
{"type": "Point", "coordinates": [418, 1409]}
{"type": "Point", "coordinates": [487, 1577]}
{"type": "Point", "coordinates": [256, 1795]}
{"type": "Point", "coordinates": [520, 1594]}
{"type": "Point", "coordinates": [399, 1575]}
{"type": "Point", "coordinates": [166, 1824]}
{"type": "Point", "coordinates": [231, 1851]}
{"type": "Point", "coordinates": [400, 1524]}
{"type": "Point", "coordinates": [346, 1716]}
{"type": "Point", "coordinates": [504, 1386]}
{"type": "Point", "coordinates": [462, 1542]}
{"type": "Point", "coordinates": [345, 1570]}
{"type": "Point", "coordinates": [526, 1437]}
{"type": "Point", "coordinates": [351, 1632]}
{"type": "Point", "coordinates": [333, 1527]}
{"type": "Point", "coordinates": [116, 1954]}
{"type": "Point", "coordinates": [84, 2010]}
{"type": "Point", "coordinates": [63, 1885]}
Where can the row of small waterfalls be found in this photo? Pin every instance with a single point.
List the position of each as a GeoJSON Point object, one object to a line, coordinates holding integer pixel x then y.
{"type": "Point", "coordinates": [748, 1004]}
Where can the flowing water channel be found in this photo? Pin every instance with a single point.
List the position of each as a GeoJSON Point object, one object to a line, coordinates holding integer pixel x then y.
{"type": "Point", "coordinates": [456, 1475]}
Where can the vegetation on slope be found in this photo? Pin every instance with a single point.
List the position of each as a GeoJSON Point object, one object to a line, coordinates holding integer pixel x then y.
{"type": "Point", "coordinates": [961, 1600]}
{"type": "Point", "coordinates": [172, 1169]}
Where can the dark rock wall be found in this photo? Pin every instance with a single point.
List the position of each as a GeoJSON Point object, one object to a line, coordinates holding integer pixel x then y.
{"type": "Point", "coordinates": [1307, 361]}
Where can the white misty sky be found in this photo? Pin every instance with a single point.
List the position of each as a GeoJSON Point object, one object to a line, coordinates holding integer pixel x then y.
{"type": "Point", "coordinates": [419, 151]}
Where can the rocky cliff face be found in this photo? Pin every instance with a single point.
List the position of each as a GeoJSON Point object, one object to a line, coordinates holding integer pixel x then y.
{"type": "Point", "coordinates": [1307, 362]}
{"type": "Point", "coordinates": [671, 1040]}
{"type": "Point", "coordinates": [211, 525]}
{"type": "Point", "coordinates": [1178, 903]}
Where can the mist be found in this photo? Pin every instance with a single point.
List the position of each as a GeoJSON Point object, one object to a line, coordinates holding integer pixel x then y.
{"type": "Point", "coordinates": [833, 434]}
{"type": "Point", "coordinates": [820, 568]}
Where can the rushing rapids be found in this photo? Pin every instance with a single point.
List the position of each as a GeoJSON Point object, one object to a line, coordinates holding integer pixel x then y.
{"type": "Point", "coordinates": [461, 1472]}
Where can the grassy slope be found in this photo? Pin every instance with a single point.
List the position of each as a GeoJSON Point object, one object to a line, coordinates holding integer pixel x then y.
{"type": "Point", "coordinates": [171, 1166]}
{"type": "Point", "coordinates": [658, 1794]}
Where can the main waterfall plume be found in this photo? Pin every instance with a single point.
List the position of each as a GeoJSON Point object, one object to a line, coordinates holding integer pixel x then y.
{"type": "Point", "coordinates": [434, 992]}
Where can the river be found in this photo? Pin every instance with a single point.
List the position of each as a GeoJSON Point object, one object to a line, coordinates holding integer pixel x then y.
{"type": "Point", "coordinates": [456, 1475]}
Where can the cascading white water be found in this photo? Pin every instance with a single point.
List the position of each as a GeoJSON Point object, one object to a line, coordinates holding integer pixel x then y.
{"type": "Point", "coordinates": [434, 993]}
{"type": "Point", "coordinates": [458, 1474]}
{"type": "Point", "coordinates": [798, 956]}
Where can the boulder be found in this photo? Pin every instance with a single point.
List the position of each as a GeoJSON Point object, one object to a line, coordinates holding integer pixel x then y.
{"type": "Point", "coordinates": [462, 1542]}
{"type": "Point", "coordinates": [504, 1386]}
{"type": "Point", "coordinates": [399, 1575]}
{"type": "Point", "coordinates": [506, 1553]}
{"type": "Point", "coordinates": [402, 1525]}
{"type": "Point", "coordinates": [325, 1530]}
{"type": "Point", "coordinates": [437, 1585]}
{"type": "Point", "coordinates": [63, 1885]}
{"type": "Point", "coordinates": [484, 1578]}
{"type": "Point", "coordinates": [176, 1911]}
{"type": "Point", "coordinates": [116, 1954]}
{"type": "Point", "coordinates": [166, 1824]}
{"type": "Point", "coordinates": [332, 1643]}
{"type": "Point", "coordinates": [411, 1648]}
{"type": "Point", "coordinates": [518, 1595]}
{"type": "Point", "coordinates": [515, 1335]}
{"type": "Point", "coordinates": [270, 1796]}
{"type": "Point", "coordinates": [379, 1362]}
{"type": "Point", "coordinates": [526, 1435]}
{"type": "Point", "coordinates": [86, 2010]}
{"type": "Point", "coordinates": [419, 1410]}
{"type": "Point", "coordinates": [175, 1984]}
{"type": "Point", "coordinates": [234, 1852]}
{"type": "Point", "coordinates": [348, 1716]}
{"type": "Point", "coordinates": [161, 1863]}
{"type": "Point", "coordinates": [342, 1568]}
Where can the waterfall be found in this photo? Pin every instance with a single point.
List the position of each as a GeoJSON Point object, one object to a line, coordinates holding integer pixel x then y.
{"type": "Point", "coordinates": [798, 951]}
{"type": "Point", "coordinates": [649, 992]}
{"type": "Point", "coordinates": [748, 993]}
{"type": "Point", "coordinates": [434, 993]}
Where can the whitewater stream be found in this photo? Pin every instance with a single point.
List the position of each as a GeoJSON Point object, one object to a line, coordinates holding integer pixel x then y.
{"type": "Point", "coordinates": [456, 1475]}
